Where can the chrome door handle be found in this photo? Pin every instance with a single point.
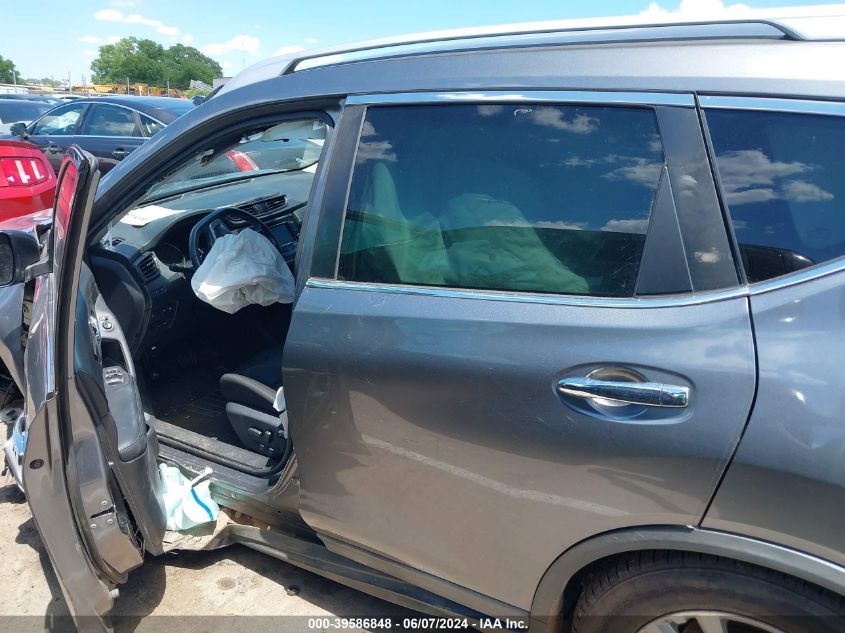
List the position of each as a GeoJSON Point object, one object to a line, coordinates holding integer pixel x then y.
{"type": "Point", "coordinates": [647, 394]}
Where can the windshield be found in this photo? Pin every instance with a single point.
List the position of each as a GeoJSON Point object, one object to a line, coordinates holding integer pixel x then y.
{"type": "Point", "coordinates": [288, 146]}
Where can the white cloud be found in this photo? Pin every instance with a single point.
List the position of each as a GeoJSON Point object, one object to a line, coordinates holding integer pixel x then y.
{"type": "Point", "coordinates": [108, 15]}
{"type": "Point", "coordinates": [802, 191]}
{"type": "Point", "coordinates": [698, 9]}
{"type": "Point", "coordinates": [555, 118]}
{"type": "Point", "coordinates": [750, 176]}
{"type": "Point", "coordinates": [626, 226]}
{"type": "Point", "coordinates": [641, 172]}
{"type": "Point", "coordinates": [112, 15]}
{"type": "Point", "coordinates": [112, 39]}
{"type": "Point", "coordinates": [310, 40]}
{"type": "Point", "coordinates": [91, 39]}
{"type": "Point", "coordinates": [288, 50]}
{"type": "Point", "coordinates": [243, 43]}
{"type": "Point", "coordinates": [186, 38]}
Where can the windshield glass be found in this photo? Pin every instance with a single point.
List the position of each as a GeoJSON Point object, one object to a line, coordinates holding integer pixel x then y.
{"type": "Point", "coordinates": [292, 145]}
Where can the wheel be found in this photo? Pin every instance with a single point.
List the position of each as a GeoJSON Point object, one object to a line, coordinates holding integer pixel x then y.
{"type": "Point", "coordinates": [680, 592]}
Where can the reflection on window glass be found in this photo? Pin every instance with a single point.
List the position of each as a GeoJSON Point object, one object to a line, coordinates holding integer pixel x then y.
{"type": "Point", "coordinates": [150, 126]}
{"type": "Point", "coordinates": [289, 146]}
{"type": "Point", "coordinates": [104, 120]}
{"type": "Point", "coordinates": [59, 122]}
{"type": "Point", "coordinates": [507, 197]}
{"type": "Point", "coordinates": [782, 180]}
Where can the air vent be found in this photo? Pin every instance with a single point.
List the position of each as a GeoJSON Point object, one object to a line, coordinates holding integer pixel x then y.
{"type": "Point", "coordinates": [266, 210]}
{"type": "Point", "coordinates": [148, 267]}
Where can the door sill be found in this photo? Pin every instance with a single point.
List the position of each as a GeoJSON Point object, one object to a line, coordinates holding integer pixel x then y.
{"type": "Point", "coordinates": [215, 451]}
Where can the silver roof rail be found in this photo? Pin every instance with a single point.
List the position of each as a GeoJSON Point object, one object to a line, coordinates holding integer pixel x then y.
{"type": "Point", "coordinates": [488, 38]}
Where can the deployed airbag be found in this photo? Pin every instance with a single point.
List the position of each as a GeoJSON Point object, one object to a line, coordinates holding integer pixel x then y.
{"type": "Point", "coordinates": [242, 269]}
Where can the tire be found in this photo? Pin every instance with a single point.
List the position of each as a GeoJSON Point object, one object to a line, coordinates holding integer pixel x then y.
{"type": "Point", "coordinates": [681, 592]}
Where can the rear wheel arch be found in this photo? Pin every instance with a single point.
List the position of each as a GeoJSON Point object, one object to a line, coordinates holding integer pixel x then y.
{"type": "Point", "coordinates": [560, 586]}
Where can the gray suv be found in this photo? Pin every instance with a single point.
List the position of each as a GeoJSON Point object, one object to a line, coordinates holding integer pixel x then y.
{"type": "Point", "coordinates": [564, 347]}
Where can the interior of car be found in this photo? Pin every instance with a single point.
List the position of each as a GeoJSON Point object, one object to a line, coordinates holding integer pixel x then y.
{"type": "Point", "coordinates": [209, 374]}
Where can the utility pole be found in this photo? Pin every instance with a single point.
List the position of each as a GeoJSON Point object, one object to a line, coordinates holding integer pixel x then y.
{"type": "Point", "coordinates": [127, 85]}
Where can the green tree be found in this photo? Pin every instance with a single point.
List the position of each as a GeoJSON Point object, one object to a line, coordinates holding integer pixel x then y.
{"type": "Point", "coordinates": [138, 60]}
{"type": "Point", "coordinates": [184, 63]}
{"type": "Point", "coordinates": [8, 73]}
{"type": "Point", "coordinates": [146, 61]}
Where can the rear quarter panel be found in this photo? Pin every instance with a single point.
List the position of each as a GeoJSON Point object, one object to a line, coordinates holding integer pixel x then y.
{"type": "Point", "coordinates": [786, 483]}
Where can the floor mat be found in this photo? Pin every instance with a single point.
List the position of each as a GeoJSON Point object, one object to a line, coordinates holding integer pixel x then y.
{"type": "Point", "coordinates": [191, 399]}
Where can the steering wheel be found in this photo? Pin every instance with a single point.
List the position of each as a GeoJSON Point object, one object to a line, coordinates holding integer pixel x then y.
{"type": "Point", "coordinates": [213, 226]}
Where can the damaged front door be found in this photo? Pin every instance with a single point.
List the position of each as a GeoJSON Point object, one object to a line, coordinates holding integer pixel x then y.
{"type": "Point", "coordinates": [89, 465]}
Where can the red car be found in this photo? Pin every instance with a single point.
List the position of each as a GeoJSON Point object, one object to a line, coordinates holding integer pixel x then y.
{"type": "Point", "coordinates": [27, 182]}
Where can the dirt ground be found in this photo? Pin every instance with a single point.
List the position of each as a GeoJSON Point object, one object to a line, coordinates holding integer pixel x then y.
{"type": "Point", "coordinates": [178, 593]}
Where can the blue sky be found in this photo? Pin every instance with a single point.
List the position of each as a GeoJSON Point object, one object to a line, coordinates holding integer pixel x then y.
{"type": "Point", "coordinates": [52, 40]}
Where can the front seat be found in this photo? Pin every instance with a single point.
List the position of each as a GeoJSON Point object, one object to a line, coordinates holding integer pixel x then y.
{"type": "Point", "coordinates": [258, 418]}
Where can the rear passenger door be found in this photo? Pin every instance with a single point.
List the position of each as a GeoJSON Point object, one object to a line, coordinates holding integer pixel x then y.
{"type": "Point", "coordinates": [110, 132]}
{"type": "Point", "coordinates": [521, 327]}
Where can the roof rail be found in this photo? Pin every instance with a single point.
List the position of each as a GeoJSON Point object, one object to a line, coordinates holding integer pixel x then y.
{"type": "Point", "coordinates": [540, 34]}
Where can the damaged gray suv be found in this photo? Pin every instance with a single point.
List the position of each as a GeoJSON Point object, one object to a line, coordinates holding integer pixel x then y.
{"type": "Point", "coordinates": [545, 326]}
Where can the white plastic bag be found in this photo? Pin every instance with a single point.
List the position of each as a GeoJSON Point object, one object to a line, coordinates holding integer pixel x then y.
{"type": "Point", "coordinates": [186, 502]}
{"type": "Point", "coordinates": [242, 269]}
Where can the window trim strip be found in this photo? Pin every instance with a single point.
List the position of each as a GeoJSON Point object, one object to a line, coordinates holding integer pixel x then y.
{"type": "Point", "coordinates": [771, 104]}
{"type": "Point", "coordinates": [693, 298]}
{"type": "Point", "coordinates": [611, 98]}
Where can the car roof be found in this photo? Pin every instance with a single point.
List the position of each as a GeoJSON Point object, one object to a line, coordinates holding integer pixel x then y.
{"type": "Point", "coordinates": [812, 23]}
{"type": "Point", "coordinates": [165, 109]}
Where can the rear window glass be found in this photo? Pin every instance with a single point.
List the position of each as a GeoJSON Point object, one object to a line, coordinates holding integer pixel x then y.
{"type": "Point", "coordinates": [14, 111]}
{"type": "Point", "coordinates": [782, 179]}
{"type": "Point", "coordinates": [535, 198]}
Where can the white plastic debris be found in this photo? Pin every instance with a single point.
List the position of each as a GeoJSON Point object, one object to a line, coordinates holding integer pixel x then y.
{"type": "Point", "coordinates": [187, 502]}
{"type": "Point", "coordinates": [242, 269]}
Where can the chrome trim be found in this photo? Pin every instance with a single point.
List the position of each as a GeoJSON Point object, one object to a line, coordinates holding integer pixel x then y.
{"type": "Point", "coordinates": [513, 297]}
{"type": "Point", "coordinates": [807, 274]}
{"type": "Point", "coordinates": [802, 106]}
{"type": "Point", "coordinates": [534, 96]}
{"type": "Point", "coordinates": [647, 394]}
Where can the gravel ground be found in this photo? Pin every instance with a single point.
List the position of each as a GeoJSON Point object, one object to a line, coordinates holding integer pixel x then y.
{"type": "Point", "coordinates": [177, 593]}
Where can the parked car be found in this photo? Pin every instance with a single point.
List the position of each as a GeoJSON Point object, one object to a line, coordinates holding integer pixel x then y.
{"type": "Point", "coordinates": [564, 347]}
{"type": "Point", "coordinates": [31, 97]}
{"type": "Point", "coordinates": [17, 111]}
{"type": "Point", "coordinates": [107, 127]}
{"type": "Point", "coordinates": [27, 183]}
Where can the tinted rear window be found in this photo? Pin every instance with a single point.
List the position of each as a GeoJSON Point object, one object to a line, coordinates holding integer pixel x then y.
{"type": "Point", "coordinates": [20, 110]}
{"type": "Point", "coordinates": [782, 179]}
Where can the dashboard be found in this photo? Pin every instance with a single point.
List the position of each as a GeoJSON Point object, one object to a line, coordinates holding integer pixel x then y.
{"type": "Point", "coordinates": [143, 267]}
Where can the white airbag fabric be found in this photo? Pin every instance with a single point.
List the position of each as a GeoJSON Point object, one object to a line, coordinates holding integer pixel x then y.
{"type": "Point", "coordinates": [242, 269]}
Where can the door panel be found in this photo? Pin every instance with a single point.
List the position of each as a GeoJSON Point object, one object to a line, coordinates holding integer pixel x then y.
{"type": "Point", "coordinates": [79, 484]}
{"type": "Point", "coordinates": [109, 150]}
{"type": "Point", "coordinates": [56, 131]}
{"type": "Point", "coordinates": [429, 429]}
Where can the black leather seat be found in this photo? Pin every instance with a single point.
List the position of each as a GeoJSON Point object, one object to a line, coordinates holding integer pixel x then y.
{"type": "Point", "coordinates": [250, 393]}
